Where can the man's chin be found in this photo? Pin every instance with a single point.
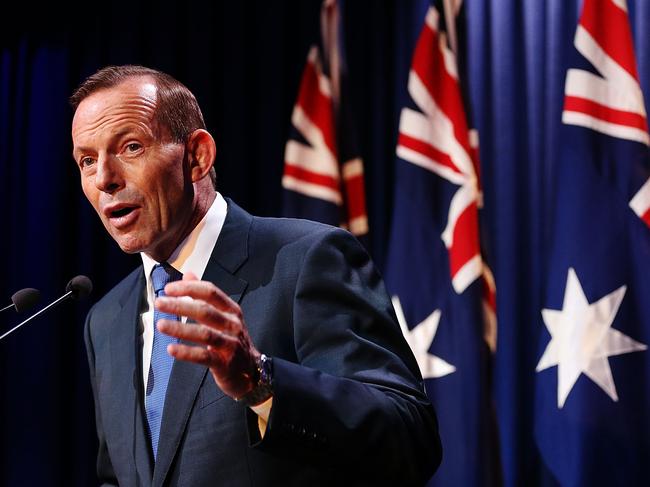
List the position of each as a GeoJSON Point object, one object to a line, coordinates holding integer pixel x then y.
{"type": "Point", "coordinates": [130, 246]}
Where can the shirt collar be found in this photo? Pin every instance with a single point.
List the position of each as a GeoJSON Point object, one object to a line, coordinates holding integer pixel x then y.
{"type": "Point", "coordinates": [193, 253]}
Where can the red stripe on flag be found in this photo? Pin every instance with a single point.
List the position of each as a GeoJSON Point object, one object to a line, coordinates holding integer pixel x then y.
{"type": "Point", "coordinates": [610, 27]}
{"type": "Point", "coordinates": [466, 240]}
{"type": "Point", "coordinates": [429, 64]}
{"type": "Point", "coordinates": [427, 150]}
{"type": "Point", "coordinates": [646, 217]}
{"type": "Point", "coordinates": [317, 105]}
{"type": "Point", "coordinates": [356, 196]}
{"type": "Point", "coordinates": [311, 177]}
{"type": "Point", "coordinates": [607, 114]}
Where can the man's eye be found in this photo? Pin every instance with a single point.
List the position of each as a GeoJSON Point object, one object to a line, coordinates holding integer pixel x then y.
{"type": "Point", "coordinates": [86, 161]}
{"type": "Point", "coordinates": [133, 147]}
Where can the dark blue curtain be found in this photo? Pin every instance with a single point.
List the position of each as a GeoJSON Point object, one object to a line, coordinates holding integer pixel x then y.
{"type": "Point", "coordinates": [243, 60]}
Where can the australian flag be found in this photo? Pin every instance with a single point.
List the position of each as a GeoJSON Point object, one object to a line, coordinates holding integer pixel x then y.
{"type": "Point", "coordinates": [441, 288]}
{"type": "Point", "coordinates": [323, 172]}
{"type": "Point", "coordinates": [592, 421]}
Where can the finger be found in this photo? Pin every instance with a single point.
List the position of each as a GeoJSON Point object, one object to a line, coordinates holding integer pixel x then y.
{"type": "Point", "coordinates": [195, 333]}
{"type": "Point", "coordinates": [203, 290]}
{"type": "Point", "coordinates": [190, 276]}
{"type": "Point", "coordinates": [201, 312]}
{"type": "Point", "coordinates": [214, 360]}
{"type": "Point", "coordinates": [194, 354]}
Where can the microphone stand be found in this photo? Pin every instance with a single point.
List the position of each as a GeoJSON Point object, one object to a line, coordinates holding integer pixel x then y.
{"type": "Point", "coordinates": [54, 303]}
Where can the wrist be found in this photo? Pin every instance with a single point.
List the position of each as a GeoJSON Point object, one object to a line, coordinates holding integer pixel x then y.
{"type": "Point", "coordinates": [262, 383]}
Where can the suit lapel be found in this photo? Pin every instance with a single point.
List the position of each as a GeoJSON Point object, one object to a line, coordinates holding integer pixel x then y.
{"type": "Point", "coordinates": [230, 252]}
{"type": "Point", "coordinates": [128, 377]}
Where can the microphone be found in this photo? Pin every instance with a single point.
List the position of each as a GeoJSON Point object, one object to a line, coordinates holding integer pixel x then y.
{"type": "Point", "coordinates": [24, 299]}
{"type": "Point", "coordinates": [78, 288]}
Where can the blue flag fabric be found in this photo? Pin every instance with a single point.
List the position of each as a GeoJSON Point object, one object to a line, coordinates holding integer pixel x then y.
{"type": "Point", "coordinates": [435, 272]}
{"type": "Point", "coordinates": [564, 165]}
{"type": "Point", "coordinates": [592, 421]}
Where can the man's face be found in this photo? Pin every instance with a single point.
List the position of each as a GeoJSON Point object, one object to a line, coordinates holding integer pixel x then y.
{"type": "Point", "coordinates": [132, 173]}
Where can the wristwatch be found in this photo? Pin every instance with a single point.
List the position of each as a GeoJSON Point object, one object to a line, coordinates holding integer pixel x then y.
{"type": "Point", "coordinates": [263, 383]}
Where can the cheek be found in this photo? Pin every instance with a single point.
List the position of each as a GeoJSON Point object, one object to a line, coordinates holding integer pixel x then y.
{"type": "Point", "coordinates": [171, 192]}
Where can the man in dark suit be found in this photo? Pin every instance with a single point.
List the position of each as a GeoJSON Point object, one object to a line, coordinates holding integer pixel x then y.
{"type": "Point", "coordinates": [245, 350]}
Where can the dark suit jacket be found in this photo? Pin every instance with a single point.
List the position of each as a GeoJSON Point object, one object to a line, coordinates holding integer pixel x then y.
{"type": "Point", "coordinates": [348, 407]}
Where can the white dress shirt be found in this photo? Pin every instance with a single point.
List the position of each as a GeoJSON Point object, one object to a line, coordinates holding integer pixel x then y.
{"type": "Point", "coordinates": [191, 255]}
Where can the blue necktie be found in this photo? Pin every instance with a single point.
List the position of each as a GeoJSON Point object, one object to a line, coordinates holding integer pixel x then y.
{"type": "Point", "coordinates": [161, 361]}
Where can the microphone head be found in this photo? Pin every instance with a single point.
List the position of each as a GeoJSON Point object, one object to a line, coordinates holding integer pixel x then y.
{"type": "Point", "coordinates": [80, 286]}
{"type": "Point", "coordinates": [25, 299]}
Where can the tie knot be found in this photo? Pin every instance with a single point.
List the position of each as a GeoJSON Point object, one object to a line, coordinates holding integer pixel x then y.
{"type": "Point", "coordinates": [163, 274]}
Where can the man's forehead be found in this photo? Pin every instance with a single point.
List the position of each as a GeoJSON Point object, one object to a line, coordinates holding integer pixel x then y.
{"type": "Point", "coordinates": [136, 90]}
{"type": "Point", "coordinates": [137, 94]}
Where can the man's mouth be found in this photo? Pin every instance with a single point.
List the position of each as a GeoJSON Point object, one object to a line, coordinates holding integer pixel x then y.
{"type": "Point", "coordinates": [122, 212]}
{"type": "Point", "coordinates": [121, 216]}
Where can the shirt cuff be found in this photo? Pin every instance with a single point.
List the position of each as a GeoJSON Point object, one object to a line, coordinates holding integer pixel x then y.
{"type": "Point", "coordinates": [263, 412]}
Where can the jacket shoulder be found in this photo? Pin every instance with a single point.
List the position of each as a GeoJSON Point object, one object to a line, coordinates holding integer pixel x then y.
{"type": "Point", "coordinates": [294, 232]}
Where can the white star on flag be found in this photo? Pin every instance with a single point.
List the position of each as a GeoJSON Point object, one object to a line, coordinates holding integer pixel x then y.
{"type": "Point", "coordinates": [420, 339]}
{"type": "Point", "coordinates": [582, 339]}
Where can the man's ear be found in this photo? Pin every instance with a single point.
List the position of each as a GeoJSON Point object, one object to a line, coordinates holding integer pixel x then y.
{"type": "Point", "coordinates": [202, 151]}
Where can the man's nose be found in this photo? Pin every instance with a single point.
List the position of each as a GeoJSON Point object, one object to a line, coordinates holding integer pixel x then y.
{"type": "Point", "coordinates": [108, 175]}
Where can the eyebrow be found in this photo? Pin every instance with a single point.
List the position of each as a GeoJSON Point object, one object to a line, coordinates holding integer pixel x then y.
{"type": "Point", "coordinates": [117, 135]}
{"type": "Point", "coordinates": [77, 150]}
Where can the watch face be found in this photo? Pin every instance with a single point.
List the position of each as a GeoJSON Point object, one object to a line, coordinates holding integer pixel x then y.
{"type": "Point", "coordinates": [266, 370]}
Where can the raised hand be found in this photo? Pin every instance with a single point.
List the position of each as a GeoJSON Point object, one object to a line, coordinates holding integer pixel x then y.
{"type": "Point", "coordinates": [219, 332]}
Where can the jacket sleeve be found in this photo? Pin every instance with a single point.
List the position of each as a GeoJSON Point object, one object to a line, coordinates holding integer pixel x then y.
{"type": "Point", "coordinates": [355, 399]}
{"type": "Point", "coordinates": [105, 472]}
